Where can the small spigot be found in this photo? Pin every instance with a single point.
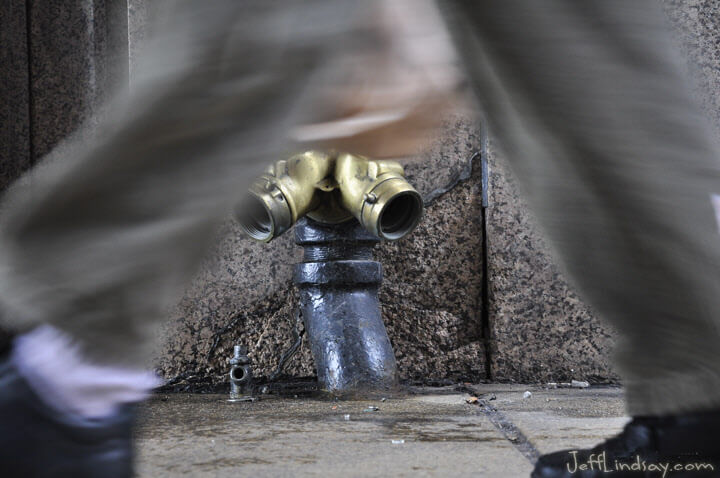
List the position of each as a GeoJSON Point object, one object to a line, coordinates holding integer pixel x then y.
{"type": "Point", "coordinates": [240, 375]}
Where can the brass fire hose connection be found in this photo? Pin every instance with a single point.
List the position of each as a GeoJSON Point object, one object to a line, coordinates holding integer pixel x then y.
{"type": "Point", "coordinates": [343, 205]}
{"type": "Point", "coordinates": [331, 189]}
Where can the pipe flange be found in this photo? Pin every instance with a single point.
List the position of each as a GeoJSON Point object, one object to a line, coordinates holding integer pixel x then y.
{"type": "Point", "coordinates": [337, 272]}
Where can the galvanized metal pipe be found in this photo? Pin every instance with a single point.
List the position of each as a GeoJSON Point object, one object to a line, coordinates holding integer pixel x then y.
{"type": "Point", "coordinates": [338, 283]}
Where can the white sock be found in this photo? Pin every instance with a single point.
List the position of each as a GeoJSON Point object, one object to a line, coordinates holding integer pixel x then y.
{"type": "Point", "coordinates": [54, 366]}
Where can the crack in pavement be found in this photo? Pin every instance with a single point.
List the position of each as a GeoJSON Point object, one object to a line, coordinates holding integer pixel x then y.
{"type": "Point", "coordinates": [503, 424]}
{"type": "Point", "coordinates": [511, 432]}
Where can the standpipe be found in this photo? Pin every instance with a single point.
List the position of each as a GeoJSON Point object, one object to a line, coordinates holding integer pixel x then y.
{"type": "Point", "coordinates": [343, 205]}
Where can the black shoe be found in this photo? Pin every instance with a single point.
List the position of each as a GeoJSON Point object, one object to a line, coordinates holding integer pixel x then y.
{"type": "Point", "coordinates": [38, 441]}
{"type": "Point", "coordinates": [681, 446]}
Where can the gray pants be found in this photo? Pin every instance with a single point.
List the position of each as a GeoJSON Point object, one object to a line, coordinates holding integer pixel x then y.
{"type": "Point", "coordinates": [586, 98]}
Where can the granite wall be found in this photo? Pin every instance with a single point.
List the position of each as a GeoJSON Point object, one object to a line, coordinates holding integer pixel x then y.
{"type": "Point", "coordinates": [540, 330]}
{"type": "Point", "coordinates": [473, 294]}
{"type": "Point", "coordinates": [696, 24]}
{"type": "Point", "coordinates": [15, 152]}
{"type": "Point", "coordinates": [59, 62]}
{"type": "Point", "coordinates": [77, 57]}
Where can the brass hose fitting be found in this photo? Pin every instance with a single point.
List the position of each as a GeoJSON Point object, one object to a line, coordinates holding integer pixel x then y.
{"type": "Point", "coordinates": [377, 194]}
{"type": "Point", "coordinates": [283, 194]}
{"type": "Point", "coordinates": [331, 189]}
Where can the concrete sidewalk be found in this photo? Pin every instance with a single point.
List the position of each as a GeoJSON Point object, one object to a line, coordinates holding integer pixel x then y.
{"type": "Point", "coordinates": [433, 432]}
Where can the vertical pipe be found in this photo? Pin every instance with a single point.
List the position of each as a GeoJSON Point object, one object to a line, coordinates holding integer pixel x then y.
{"type": "Point", "coordinates": [338, 282]}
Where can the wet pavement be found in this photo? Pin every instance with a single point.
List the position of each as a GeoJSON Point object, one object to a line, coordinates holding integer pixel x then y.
{"type": "Point", "coordinates": [432, 432]}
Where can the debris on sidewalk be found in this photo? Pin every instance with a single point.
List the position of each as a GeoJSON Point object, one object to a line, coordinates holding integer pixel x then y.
{"type": "Point", "coordinates": [572, 384]}
{"type": "Point", "coordinates": [527, 394]}
{"type": "Point", "coordinates": [398, 442]}
{"type": "Point", "coordinates": [481, 400]}
{"type": "Point", "coordinates": [371, 408]}
{"type": "Point", "coordinates": [347, 416]}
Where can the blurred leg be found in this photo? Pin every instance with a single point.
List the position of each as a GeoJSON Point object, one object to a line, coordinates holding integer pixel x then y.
{"type": "Point", "coordinates": [589, 102]}
{"type": "Point", "coordinates": [100, 240]}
